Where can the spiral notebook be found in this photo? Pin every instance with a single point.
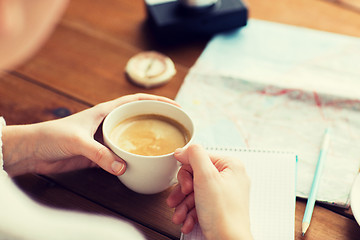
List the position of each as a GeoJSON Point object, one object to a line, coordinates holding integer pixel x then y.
{"type": "Point", "coordinates": [272, 192]}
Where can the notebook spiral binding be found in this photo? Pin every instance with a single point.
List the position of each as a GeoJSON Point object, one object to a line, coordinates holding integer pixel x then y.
{"type": "Point", "coordinates": [234, 149]}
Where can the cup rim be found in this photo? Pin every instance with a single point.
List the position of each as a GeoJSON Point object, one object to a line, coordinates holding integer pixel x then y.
{"type": "Point", "coordinates": [106, 120]}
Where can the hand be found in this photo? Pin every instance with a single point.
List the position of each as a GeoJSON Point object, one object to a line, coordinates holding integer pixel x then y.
{"type": "Point", "coordinates": [65, 144]}
{"type": "Point", "coordinates": [214, 191]}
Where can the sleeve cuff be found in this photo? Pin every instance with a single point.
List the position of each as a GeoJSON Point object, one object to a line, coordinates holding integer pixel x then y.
{"type": "Point", "coordinates": [2, 171]}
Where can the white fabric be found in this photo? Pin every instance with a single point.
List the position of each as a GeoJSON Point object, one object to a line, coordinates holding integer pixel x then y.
{"type": "Point", "coordinates": [2, 172]}
{"type": "Point", "coordinates": [22, 218]}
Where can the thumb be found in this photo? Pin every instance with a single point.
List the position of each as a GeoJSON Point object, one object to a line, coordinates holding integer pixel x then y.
{"type": "Point", "coordinates": [198, 159]}
{"type": "Point", "coordinates": [104, 157]}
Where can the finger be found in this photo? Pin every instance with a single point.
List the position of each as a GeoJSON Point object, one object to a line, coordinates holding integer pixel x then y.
{"type": "Point", "coordinates": [11, 17]}
{"type": "Point", "coordinates": [175, 197]}
{"type": "Point", "coordinates": [103, 109]}
{"type": "Point", "coordinates": [104, 157]}
{"type": "Point", "coordinates": [190, 221]}
{"type": "Point", "coordinates": [181, 155]}
{"type": "Point", "coordinates": [144, 96]}
{"type": "Point", "coordinates": [137, 97]}
{"type": "Point", "coordinates": [198, 158]}
{"type": "Point", "coordinates": [184, 187]}
{"type": "Point", "coordinates": [185, 179]}
{"type": "Point", "coordinates": [183, 209]}
{"type": "Point", "coordinates": [223, 163]}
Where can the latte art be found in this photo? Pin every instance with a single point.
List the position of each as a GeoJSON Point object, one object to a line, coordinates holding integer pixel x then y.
{"type": "Point", "coordinates": [149, 135]}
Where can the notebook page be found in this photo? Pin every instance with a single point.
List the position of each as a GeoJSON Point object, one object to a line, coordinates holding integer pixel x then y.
{"type": "Point", "coordinates": [272, 193]}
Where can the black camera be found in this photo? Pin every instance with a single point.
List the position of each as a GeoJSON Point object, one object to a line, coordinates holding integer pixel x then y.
{"type": "Point", "coordinates": [181, 19]}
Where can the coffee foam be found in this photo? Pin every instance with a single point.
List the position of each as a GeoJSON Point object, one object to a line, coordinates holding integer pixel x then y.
{"type": "Point", "coordinates": [149, 135]}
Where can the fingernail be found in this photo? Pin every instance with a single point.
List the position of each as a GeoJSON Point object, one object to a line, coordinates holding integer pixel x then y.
{"type": "Point", "coordinates": [117, 167]}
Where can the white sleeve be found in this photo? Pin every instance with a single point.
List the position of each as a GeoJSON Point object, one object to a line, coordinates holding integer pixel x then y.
{"type": "Point", "coordinates": [23, 218]}
{"type": "Point", "coordinates": [3, 174]}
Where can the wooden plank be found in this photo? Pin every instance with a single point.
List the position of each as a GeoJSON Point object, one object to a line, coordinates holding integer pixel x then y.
{"type": "Point", "coordinates": [24, 102]}
{"type": "Point", "coordinates": [316, 14]}
{"type": "Point", "coordinates": [84, 61]}
{"type": "Point", "coordinates": [51, 194]}
{"type": "Point", "coordinates": [125, 21]}
{"type": "Point", "coordinates": [325, 224]}
{"type": "Point", "coordinates": [88, 68]}
{"type": "Point", "coordinates": [106, 190]}
{"type": "Point", "coordinates": [87, 54]}
{"type": "Point", "coordinates": [353, 5]}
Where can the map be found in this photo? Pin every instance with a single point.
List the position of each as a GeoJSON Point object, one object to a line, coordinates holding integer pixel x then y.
{"type": "Point", "coordinates": [236, 107]}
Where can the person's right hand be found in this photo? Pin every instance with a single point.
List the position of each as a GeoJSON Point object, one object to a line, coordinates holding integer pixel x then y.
{"type": "Point", "coordinates": [214, 191]}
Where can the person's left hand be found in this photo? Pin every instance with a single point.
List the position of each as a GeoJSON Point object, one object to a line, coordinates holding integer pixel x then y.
{"type": "Point", "coordinates": [65, 144]}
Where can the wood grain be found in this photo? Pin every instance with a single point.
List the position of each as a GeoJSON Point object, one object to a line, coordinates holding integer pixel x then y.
{"type": "Point", "coordinates": [23, 101]}
{"type": "Point", "coordinates": [106, 190]}
{"type": "Point", "coordinates": [125, 22]}
{"type": "Point", "coordinates": [316, 14]}
{"type": "Point", "coordinates": [82, 64]}
{"type": "Point", "coordinates": [88, 68]}
{"type": "Point", "coordinates": [325, 224]}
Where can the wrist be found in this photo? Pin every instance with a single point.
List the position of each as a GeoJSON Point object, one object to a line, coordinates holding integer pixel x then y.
{"type": "Point", "coordinates": [231, 229]}
{"type": "Point", "coordinates": [236, 232]}
{"type": "Point", "coordinates": [18, 148]}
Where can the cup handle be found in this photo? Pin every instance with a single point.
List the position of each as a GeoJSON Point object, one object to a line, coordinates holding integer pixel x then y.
{"type": "Point", "coordinates": [173, 181]}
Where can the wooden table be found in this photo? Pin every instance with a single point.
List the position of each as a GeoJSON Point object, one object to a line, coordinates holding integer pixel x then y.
{"type": "Point", "coordinates": [82, 64]}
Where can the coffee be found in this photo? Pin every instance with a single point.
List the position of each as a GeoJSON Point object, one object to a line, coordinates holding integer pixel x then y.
{"type": "Point", "coordinates": [149, 135]}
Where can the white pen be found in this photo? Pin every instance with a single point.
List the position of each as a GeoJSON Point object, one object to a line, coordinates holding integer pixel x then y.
{"type": "Point", "coordinates": [315, 184]}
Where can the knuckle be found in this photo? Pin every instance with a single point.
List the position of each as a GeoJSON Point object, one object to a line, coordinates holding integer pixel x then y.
{"type": "Point", "coordinates": [100, 155]}
{"type": "Point", "coordinates": [194, 147]}
{"type": "Point", "coordinates": [74, 140]}
{"type": "Point", "coordinates": [190, 201]}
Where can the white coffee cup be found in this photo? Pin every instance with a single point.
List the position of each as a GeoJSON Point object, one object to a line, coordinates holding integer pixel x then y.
{"type": "Point", "coordinates": [147, 174]}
